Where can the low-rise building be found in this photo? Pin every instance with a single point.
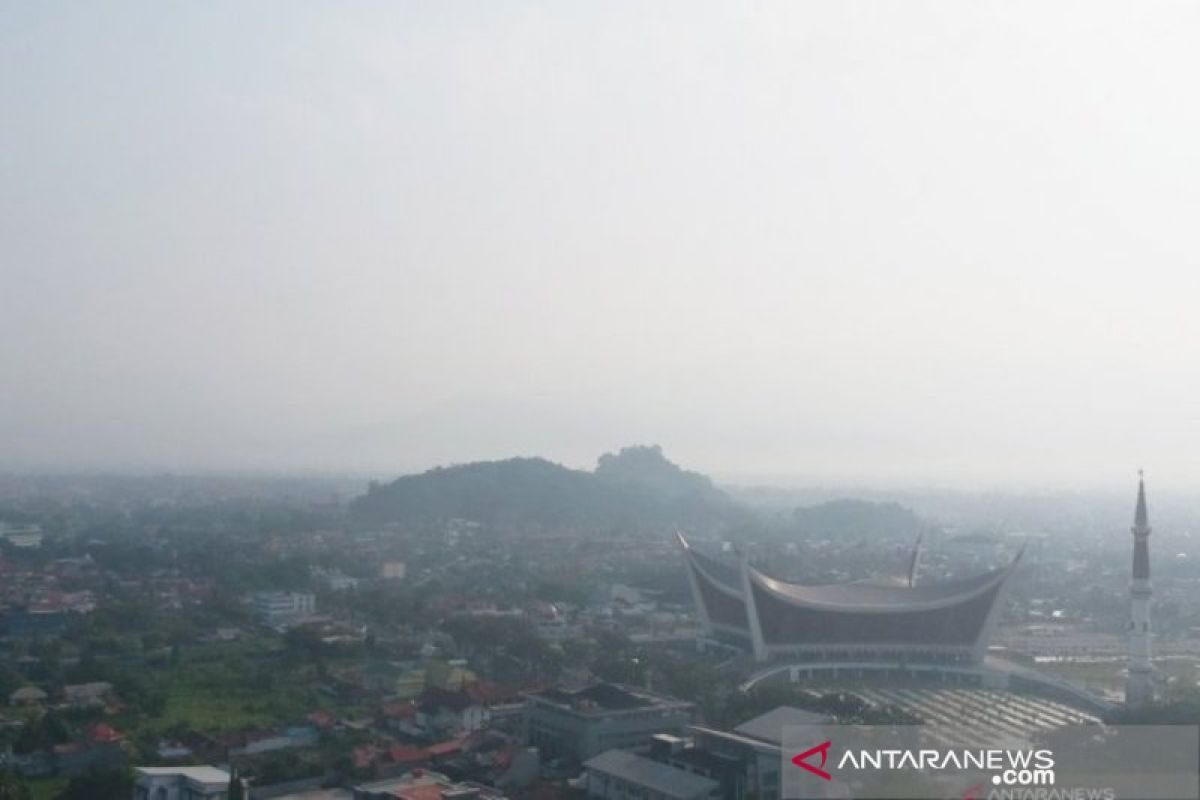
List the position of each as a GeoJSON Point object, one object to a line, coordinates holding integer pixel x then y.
{"type": "Point", "coordinates": [448, 712]}
{"type": "Point", "coordinates": [87, 695]}
{"type": "Point", "coordinates": [393, 570]}
{"type": "Point", "coordinates": [23, 536]}
{"type": "Point", "coordinates": [27, 696]}
{"type": "Point", "coordinates": [423, 784]}
{"type": "Point", "coordinates": [180, 783]}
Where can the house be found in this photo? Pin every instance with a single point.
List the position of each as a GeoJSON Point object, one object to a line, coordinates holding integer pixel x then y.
{"type": "Point", "coordinates": [423, 784]}
{"type": "Point", "coordinates": [180, 783]}
{"type": "Point", "coordinates": [172, 751]}
{"type": "Point", "coordinates": [487, 757]}
{"type": "Point", "coordinates": [87, 695]}
{"type": "Point", "coordinates": [446, 749]}
{"type": "Point", "coordinates": [22, 536]}
{"type": "Point", "coordinates": [27, 696]}
{"type": "Point", "coordinates": [321, 720]}
{"type": "Point", "coordinates": [407, 755]}
{"type": "Point", "coordinates": [103, 733]}
{"type": "Point", "coordinates": [446, 711]}
{"type": "Point", "coordinates": [253, 742]}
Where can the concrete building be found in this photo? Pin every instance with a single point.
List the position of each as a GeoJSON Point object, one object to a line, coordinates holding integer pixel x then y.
{"type": "Point", "coordinates": [584, 723]}
{"type": "Point", "coordinates": [740, 764]}
{"type": "Point", "coordinates": [745, 761]}
{"type": "Point", "coordinates": [180, 783]}
{"type": "Point", "coordinates": [283, 609]}
{"type": "Point", "coordinates": [622, 775]}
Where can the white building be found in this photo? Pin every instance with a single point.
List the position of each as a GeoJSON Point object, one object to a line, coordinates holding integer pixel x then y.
{"type": "Point", "coordinates": [180, 783]}
{"type": "Point", "coordinates": [24, 536]}
{"type": "Point", "coordinates": [283, 609]}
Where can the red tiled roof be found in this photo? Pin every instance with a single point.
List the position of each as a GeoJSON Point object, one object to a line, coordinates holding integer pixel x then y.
{"type": "Point", "coordinates": [322, 719]}
{"type": "Point", "coordinates": [399, 710]}
{"type": "Point", "coordinates": [103, 732]}
{"type": "Point", "coordinates": [365, 755]}
{"type": "Point", "coordinates": [407, 753]}
{"type": "Point", "coordinates": [445, 748]}
{"type": "Point", "coordinates": [423, 792]}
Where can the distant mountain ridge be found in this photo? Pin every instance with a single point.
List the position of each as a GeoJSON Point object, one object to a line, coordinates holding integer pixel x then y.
{"type": "Point", "coordinates": [635, 488]}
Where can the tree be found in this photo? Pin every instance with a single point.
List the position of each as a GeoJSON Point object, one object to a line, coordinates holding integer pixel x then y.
{"type": "Point", "coordinates": [236, 790]}
{"type": "Point", "coordinates": [12, 787]}
{"type": "Point", "coordinates": [109, 784]}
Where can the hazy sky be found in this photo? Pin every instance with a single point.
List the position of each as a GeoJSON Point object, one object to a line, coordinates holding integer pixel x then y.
{"type": "Point", "coordinates": [951, 243]}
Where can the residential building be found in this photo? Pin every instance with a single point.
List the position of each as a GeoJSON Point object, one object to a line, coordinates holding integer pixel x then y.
{"type": "Point", "coordinates": [423, 784]}
{"type": "Point", "coordinates": [27, 696]}
{"type": "Point", "coordinates": [23, 536]}
{"type": "Point", "coordinates": [87, 695]}
{"type": "Point", "coordinates": [448, 711]}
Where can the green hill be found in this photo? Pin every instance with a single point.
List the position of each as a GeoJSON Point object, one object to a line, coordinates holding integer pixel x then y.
{"type": "Point", "coordinates": [636, 488]}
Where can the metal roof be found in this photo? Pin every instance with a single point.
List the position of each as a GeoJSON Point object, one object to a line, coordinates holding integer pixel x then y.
{"type": "Point", "coordinates": [660, 778]}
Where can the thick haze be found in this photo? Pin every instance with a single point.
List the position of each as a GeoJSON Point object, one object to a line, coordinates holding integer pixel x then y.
{"type": "Point", "coordinates": [900, 242]}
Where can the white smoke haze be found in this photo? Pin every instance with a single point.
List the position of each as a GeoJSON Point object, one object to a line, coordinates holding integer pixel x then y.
{"type": "Point", "coordinates": [913, 243]}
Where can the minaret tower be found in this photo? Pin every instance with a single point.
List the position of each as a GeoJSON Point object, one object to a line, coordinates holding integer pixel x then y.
{"type": "Point", "coordinates": [1139, 689]}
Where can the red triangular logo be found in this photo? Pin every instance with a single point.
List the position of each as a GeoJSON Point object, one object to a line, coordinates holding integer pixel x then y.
{"type": "Point", "coordinates": [802, 760]}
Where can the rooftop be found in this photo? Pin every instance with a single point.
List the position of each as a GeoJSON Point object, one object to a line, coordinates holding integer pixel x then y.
{"type": "Point", "coordinates": [769, 727]}
{"type": "Point", "coordinates": [203, 774]}
{"type": "Point", "coordinates": [658, 777]}
{"type": "Point", "coordinates": [601, 697]}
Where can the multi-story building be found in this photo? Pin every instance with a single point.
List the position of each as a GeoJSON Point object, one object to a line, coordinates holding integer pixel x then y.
{"type": "Point", "coordinates": [621, 775]}
{"type": "Point", "coordinates": [739, 764]}
{"type": "Point", "coordinates": [584, 723]}
{"type": "Point", "coordinates": [283, 609]}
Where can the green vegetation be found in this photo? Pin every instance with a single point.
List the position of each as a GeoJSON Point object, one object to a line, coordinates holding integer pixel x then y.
{"type": "Point", "coordinates": [634, 489]}
{"type": "Point", "coordinates": [856, 518]}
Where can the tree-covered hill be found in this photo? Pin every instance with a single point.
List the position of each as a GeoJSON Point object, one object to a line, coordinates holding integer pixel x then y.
{"type": "Point", "coordinates": [636, 488]}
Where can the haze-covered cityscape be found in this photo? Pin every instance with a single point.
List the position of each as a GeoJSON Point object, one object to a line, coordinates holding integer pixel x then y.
{"type": "Point", "coordinates": [567, 401]}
